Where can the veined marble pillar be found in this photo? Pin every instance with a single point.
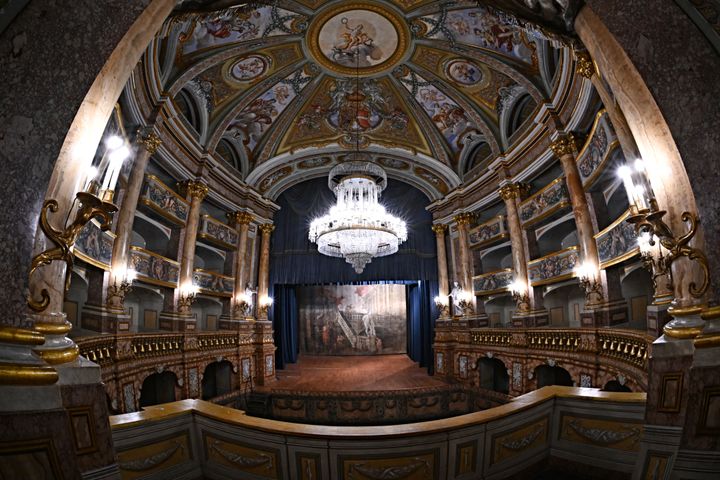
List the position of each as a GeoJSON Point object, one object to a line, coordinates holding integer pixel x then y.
{"type": "Point", "coordinates": [466, 268]}
{"type": "Point", "coordinates": [529, 309]}
{"type": "Point", "coordinates": [443, 284]}
{"type": "Point", "coordinates": [264, 272]}
{"type": "Point", "coordinates": [242, 224]}
{"type": "Point", "coordinates": [181, 319]}
{"type": "Point", "coordinates": [106, 313]}
{"type": "Point", "coordinates": [600, 309]}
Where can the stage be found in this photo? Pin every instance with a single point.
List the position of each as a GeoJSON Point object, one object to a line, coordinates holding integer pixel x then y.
{"type": "Point", "coordinates": [370, 373]}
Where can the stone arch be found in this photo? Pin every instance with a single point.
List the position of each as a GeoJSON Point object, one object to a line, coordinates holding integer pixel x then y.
{"type": "Point", "coordinates": [492, 374]}
{"type": "Point", "coordinates": [157, 388]}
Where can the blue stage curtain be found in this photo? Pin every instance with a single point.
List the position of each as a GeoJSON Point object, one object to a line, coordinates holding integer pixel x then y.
{"type": "Point", "coordinates": [421, 315]}
{"type": "Point", "coordinates": [284, 313]}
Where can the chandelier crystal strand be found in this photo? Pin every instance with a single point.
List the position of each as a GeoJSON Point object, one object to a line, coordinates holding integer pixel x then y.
{"type": "Point", "coordinates": [357, 228]}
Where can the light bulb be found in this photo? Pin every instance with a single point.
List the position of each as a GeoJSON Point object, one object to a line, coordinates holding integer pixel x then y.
{"type": "Point", "coordinates": [114, 142]}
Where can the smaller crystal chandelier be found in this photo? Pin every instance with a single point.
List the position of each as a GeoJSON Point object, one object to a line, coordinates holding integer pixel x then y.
{"type": "Point", "coordinates": [357, 228]}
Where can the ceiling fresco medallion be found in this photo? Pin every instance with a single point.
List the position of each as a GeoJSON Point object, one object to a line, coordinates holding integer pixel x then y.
{"type": "Point", "coordinates": [463, 72]}
{"type": "Point", "coordinates": [248, 68]}
{"type": "Point", "coordinates": [362, 36]}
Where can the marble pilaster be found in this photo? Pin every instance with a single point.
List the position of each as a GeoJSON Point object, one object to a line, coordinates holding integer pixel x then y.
{"type": "Point", "coordinates": [443, 282]}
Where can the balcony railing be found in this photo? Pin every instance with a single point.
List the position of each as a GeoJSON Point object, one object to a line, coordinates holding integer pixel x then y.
{"type": "Point", "coordinates": [213, 283]}
{"type": "Point", "coordinates": [602, 145]}
{"type": "Point", "coordinates": [617, 242]}
{"type": "Point", "coordinates": [552, 268]}
{"type": "Point", "coordinates": [489, 232]}
{"type": "Point", "coordinates": [625, 345]}
{"type": "Point", "coordinates": [550, 200]}
{"type": "Point", "coordinates": [217, 233]}
{"type": "Point", "coordinates": [160, 199]}
{"type": "Point", "coordinates": [154, 268]}
{"type": "Point", "coordinates": [95, 246]}
{"type": "Point", "coordinates": [493, 282]}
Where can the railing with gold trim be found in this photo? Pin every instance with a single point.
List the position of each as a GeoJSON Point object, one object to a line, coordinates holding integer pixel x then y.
{"type": "Point", "coordinates": [493, 282]}
{"type": "Point", "coordinates": [602, 145]}
{"type": "Point", "coordinates": [100, 350]}
{"type": "Point", "coordinates": [162, 200]}
{"type": "Point", "coordinates": [548, 201]}
{"type": "Point", "coordinates": [617, 242]}
{"type": "Point", "coordinates": [216, 340]}
{"type": "Point", "coordinates": [213, 283]}
{"type": "Point", "coordinates": [154, 268]}
{"type": "Point", "coordinates": [156, 345]}
{"type": "Point", "coordinates": [217, 233]}
{"type": "Point", "coordinates": [489, 232]}
{"type": "Point", "coordinates": [94, 246]}
{"type": "Point", "coordinates": [628, 346]}
{"type": "Point", "coordinates": [555, 267]}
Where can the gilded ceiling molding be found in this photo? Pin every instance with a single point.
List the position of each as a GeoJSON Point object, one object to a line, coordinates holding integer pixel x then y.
{"type": "Point", "coordinates": [220, 125]}
{"type": "Point", "coordinates": [478, 117]}
{"type": "Point", "coordinates": [222, 54]}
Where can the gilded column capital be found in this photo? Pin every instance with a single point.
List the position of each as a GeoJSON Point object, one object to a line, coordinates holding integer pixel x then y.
{"type": "Point", "coordinates": [565, 145]}
{"type": "Point", "coordinates": [240, 217]}
{"type": "Point", "coordinates": [148, 139]}
{"type": "Point", "coordinates": [267, 228]}
{"type": "Point", "coordinates": [439, 229]}
{"type": "Point", "coordinates": [464, 218]}
{"type": "Point", "coordinates": [514, 190]}
{"type": "Point", "coordinates": [584, 65]}
{"type": "Point", "coordinates": [196, 190]}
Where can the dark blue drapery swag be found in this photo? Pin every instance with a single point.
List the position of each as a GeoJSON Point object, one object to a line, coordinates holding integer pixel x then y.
{"type": "Point", "coordinates": [294, 260]}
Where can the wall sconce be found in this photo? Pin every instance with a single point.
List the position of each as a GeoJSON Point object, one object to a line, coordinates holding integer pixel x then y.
{"type": "Point", "coordinates": [243, 305]}
{"type": "Point", "coordinates": [465, 302]}
{"type": "Point", "coordinates": [519, 292]}
{"type": "Point", "coordinates": [646, 215]}
{"type": "Point", "coordinates": [587, 275]}
{"type": "Point", "coordinates": [188, 293]}
{"type": "Point", "coordinates": [116, 293]}
{"type": "Point", "coordinates": [265, 304]}
{"type": "Point", "coordinates": [95, 201]}
{"type": "Point", "coordinates": [654, 258]}
{"type": "Point", "coordinates": [443, 306]}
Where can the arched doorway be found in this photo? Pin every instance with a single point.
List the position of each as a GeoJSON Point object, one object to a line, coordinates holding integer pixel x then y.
{"type": "Point", "coordinates": [493, 375]}
{"type": "Point", "coordinates": [547, 375]}
{"type": "Point", "coordinates": [217, 380]}
{"type": "Point", "coordinates": [158, 388]}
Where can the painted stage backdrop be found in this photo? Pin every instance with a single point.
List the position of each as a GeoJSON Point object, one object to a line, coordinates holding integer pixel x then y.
{"type": "Point", "coordinates": [352, 319]}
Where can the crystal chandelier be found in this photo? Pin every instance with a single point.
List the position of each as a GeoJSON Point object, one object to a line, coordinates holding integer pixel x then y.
{"type": "Point", "coordinates": [357, 228]}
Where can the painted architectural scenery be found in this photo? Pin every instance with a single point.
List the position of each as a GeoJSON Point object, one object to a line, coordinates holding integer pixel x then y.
{"type": "Point", "coordinates": [352, 319]}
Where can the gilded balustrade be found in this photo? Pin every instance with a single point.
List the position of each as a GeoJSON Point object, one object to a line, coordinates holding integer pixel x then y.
{"type": "Point", "coordinates": [625, 345]}
{"type": "Point", "coordinates": [100, 350]}
{"type": "Point", "coordinates": [213, 341]}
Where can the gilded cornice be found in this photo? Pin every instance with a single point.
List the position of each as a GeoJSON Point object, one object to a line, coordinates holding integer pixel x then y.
{"type": "Point", "coordinates": [514, 190]}
{"type": "Point", "coordinates": [240, 217]}
{"type": "Point", "coordinates": [464, 218]}
{"type": "Point", "coordinates": [267, 228]}
{"type": "Point", "coordinates": [439, 229]}
{"type": "Point", "coordinates": [584, 65]}
{"type": "Point", "coordinates": [196, 190]}
{"type": "Point", "coordinates": [565, 145]}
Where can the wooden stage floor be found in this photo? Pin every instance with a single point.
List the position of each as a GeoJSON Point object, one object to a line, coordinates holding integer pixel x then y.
{"type": "Point", "coordinates": [354, 374]}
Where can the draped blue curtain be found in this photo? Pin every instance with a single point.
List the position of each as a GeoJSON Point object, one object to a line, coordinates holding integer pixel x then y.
{"type": "Point", "coordinates": [295, 261]}
{"type": "Point", "coordinates": [284, 314]}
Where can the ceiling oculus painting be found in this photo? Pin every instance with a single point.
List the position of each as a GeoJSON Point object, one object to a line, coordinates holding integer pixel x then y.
{"type": "Point", "coordinates": [352, 319]}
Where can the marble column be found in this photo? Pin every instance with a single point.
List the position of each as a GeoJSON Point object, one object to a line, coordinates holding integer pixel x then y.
{"type": "Point", "coordinates": [529, 311]}
{"type": "Point", "coordinates": [443, 285]}
{"type": "Point", "coordinates": [241, 220]}
{"type": "Point", "coordinates": [466, 268]}
{"type": "Point", "coordinates": [263, 274]}
{"type": "Point", "coordinates": [181, 319]}
{"type": "Point", "coordinates": [600, 310]}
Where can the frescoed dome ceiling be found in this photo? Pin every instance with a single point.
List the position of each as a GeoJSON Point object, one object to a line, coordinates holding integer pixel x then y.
{"type": "Point", "coordinates": [431, 89]}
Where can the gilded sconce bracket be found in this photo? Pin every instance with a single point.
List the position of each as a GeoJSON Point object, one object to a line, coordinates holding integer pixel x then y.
{"type": "Point", "coordinates": [522, 300]}
{"type": "Point", "coordinates": [593, 291]}
{"type": "Point", "coordinates": [90, 207]}
{"type": "Point", "coordinates": [651, 222]}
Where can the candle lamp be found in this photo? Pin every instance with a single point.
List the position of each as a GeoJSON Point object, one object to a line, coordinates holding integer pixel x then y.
{"type": "Point", "coordinates": [265, 304]}
{"type": "Point", "coordinates": [443, 306]}
{"type": "Point", "coordinates": [188, 294]}
{"type": "Point", "coordinates": [588, 276]}
{"type": "Point", "coordinates": [647, 217]}
{"type": "Point", "coordinates": [243, 305]}
{"type": "Point", "coordinates": [465, 303]}
{"type": "Point", "coordinates": [117, 292]}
